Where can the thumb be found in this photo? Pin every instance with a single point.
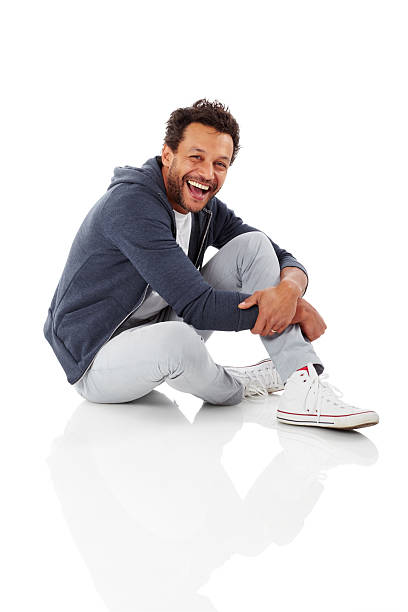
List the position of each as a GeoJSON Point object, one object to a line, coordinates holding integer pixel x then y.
{"type": "Point", "coordinates": [248, 302]}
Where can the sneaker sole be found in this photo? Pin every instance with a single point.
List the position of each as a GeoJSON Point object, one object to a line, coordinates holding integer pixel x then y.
{"type": "Point", "coordinates": [347, 422]}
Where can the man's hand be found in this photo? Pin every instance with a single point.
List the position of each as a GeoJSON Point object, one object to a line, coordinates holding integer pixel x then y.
{"type": "Point", "coordinates": [277, 307]}
{"type": "Point", "coordinates": [310, 321]}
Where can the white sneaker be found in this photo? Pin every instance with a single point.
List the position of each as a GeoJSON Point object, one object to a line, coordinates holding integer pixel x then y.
{"type": "Point", "coordinates": [309, 399]}
{"type": "Point", "coordinates": [258, 379]}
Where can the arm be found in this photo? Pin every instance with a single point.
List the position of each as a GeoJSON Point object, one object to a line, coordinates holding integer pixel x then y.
{"type": "Point", "coordinates": [137, 224]}
{"type": "Point", "coordinates": [296, 277]}
{"type": "Point", "coordinates": [310, 321]}
{"type": "Point", "coordinates": [277, 305]}
{"type": "Point", "coordinates": [282, 305]}
{"type": "Point", "coordinates": [227, 225]}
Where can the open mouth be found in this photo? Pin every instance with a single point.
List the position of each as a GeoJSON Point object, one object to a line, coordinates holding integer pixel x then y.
{"type": "Point", "coordinates": [197, 190]}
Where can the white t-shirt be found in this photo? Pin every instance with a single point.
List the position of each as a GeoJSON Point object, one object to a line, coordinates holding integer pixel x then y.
{"type": "Point", "coordinates": [154, 303]}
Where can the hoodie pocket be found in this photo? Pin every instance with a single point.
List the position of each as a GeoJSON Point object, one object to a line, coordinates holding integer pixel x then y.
{"type": "Point", "coordinates": [84, 330]}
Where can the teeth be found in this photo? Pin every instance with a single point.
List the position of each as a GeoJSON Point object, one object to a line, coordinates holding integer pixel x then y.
{"type": "Point", "coordinates": [205, 187]}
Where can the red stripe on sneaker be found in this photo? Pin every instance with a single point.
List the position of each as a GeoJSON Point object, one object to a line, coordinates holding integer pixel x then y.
{"type": "Point", "coordinates": [305, 368]}
{"type": "Point", "coordinates": [325, 415]}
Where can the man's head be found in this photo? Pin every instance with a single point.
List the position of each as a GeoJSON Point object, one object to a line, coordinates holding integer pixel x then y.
{"type": "Point", "coordinates": [201, 143]}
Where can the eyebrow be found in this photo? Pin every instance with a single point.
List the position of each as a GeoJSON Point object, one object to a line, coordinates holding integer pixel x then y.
{"type": "Point", "coordinates": [203, 151]}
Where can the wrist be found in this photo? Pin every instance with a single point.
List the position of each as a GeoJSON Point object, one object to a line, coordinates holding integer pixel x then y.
{"type": "Point", "coordinates": [289, 284]}
{"type": "Point", "coordinates": [301, 311]}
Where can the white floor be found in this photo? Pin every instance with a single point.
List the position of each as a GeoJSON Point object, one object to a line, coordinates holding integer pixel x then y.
{"type": "Point", "coordinates": [160, 505]}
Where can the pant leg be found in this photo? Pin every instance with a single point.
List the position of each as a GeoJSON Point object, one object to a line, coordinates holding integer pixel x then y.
{"type": "Point", "coordinates": [248, 263]}
{"type": "Point", "coordinates": [139, 359]}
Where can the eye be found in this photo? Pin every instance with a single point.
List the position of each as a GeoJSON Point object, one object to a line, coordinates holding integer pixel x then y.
{"type": "Point", "coordinates": [222, 165]}
{"type": "Point", "coordinates": [196, 156]}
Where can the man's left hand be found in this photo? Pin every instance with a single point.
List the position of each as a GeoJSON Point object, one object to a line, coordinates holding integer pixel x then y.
{"type": "Point", "coordinates": [310, 321]}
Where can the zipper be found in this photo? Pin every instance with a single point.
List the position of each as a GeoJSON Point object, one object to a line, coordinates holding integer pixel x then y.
{"type": "Point", "coordinates": [128, 315]}
{"type": "Point", "coordinates": [117, 327]}
{"type": "Point", "coordinates": [172, 215]}
{"type": "Point", "coordinates": [174, 231]}
{"type": "Point", "coordinates": [209, 212]}
{"type": "Point", "coordinates": [137, 305]}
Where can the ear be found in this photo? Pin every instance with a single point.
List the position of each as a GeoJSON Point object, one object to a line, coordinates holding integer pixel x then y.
{"type": "Point", "coordinates": [167, 156]}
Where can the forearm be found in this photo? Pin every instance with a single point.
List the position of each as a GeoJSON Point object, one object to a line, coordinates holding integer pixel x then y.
{"type": "Point", "coordinates": [310, 321]}
{"type": "Point", "coordinates": [294, 277]}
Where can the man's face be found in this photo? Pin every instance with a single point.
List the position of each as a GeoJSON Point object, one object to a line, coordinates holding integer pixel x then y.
{"type": "Point", "coordinates": [197, 170]}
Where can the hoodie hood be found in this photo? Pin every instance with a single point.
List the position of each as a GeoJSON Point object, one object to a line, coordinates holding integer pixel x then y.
{"type": "Point", "coordinates": [149, 175]}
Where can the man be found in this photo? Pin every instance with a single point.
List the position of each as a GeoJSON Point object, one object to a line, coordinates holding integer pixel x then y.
{"type": "Point", "coordinates": [134, 305]}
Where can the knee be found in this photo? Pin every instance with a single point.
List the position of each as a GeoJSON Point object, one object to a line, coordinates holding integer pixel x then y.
{"type": "Point", "coordinates": [256, 246]}
{"type": "Point", "coordinates": [185, 345]}
{"type": "Point", "coordinates": [180, 333]}
{"type": "Point", "coordinates": [255, 242]}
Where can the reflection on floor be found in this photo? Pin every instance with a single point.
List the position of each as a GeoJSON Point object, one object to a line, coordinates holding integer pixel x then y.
{"type": "Point", "coordinates": [152, 505]}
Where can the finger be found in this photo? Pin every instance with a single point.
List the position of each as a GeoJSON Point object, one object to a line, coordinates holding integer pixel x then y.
{"type": "Point", "coordinates": [274, 332]}
{"type": "Point", "coordinates": [259, 325]}
{"type": "Point", "coordinates": [319, 333]}
{"type": "Point", "coordinates": [277, 327]}
{"type": "Point", "coordinates": [248, 302]}
{"type": "Point", "coordinates": [272, 329]}
{"type": "Point", "coordinates": [315, 334]}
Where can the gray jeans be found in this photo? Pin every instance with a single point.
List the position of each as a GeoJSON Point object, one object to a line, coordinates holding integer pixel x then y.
{"type": "Point", "coordinates": [168, 350]}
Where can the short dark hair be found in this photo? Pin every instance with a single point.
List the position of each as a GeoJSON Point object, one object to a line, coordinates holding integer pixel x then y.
{"type": "Point", "coordinates": [214, 114]}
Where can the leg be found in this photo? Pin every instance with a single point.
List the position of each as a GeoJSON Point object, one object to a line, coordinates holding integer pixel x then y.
{"type": "Point", "coordinates": [248, 263]}
{"type": "Point", "coordinates": [139, 359]}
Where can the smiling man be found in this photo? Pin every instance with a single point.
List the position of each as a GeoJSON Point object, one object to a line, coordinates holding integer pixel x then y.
{"type": "Point", "coordinates": [135, 305]}
{"type": "Point", "coordinates": [188, 188]}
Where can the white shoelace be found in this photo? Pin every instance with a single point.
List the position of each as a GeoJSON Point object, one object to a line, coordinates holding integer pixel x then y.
{"type": "Point", "coordinates": [326, 392]}
{"type": "Point", "coordinates": [257, 382]}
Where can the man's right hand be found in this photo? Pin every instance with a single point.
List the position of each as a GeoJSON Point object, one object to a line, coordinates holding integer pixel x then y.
{"type": "Point", "coordinates": [277, 307]}
{"type": "Point", "coordinates": [310, 321]}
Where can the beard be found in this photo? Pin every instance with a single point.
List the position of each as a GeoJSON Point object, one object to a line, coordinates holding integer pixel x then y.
{"type": "Point", "coordinates": [175, 188]}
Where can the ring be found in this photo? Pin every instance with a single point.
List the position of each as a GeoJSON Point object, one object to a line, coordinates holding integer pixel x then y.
{"type": "Point", "coordinates": [274, 331]}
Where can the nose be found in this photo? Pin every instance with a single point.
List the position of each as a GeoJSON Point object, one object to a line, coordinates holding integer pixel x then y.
{"type": "Point", "coordinates": [206, 170]}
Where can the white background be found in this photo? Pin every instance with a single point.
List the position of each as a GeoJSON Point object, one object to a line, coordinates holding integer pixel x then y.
{"type": "Point", "coordinates": [110, 509]}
